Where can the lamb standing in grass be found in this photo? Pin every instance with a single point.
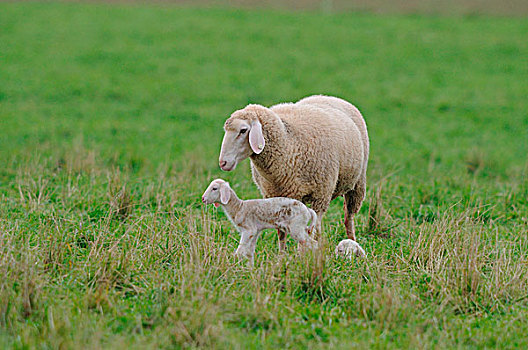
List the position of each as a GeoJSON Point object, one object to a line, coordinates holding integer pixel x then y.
{"type": "Point", "coordinates": [313, 150]}
{"type": "Point", "coordinates": [252, 216]}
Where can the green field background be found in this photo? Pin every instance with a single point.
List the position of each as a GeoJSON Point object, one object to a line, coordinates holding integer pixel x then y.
{"type": "Point", "coordinates": [111, 121]}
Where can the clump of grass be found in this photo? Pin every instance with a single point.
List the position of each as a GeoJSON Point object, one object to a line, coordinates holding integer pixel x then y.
{"type": "Point", "coordinates": [21, 285]}
{"type": "Point", "coordinates": [379, 221]}
{"type": "Point", "coordinates": [78, 159]}
{"type": "Point", "coordinates": [311, 274]}
{"type": "Point", "coordinates": [467, 263]}
{"type": "Point", "coordinates": [121, 203]}
{"type": "Point", "coordinates": [33, 184]}
{"type": "Point", "coordinates": [475, 162]}
{"type": "Point", "coordinates": [196, 320]}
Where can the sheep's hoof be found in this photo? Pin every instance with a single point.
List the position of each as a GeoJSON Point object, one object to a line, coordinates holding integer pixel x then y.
{"type": "Point", "coordinates": [348, 248]}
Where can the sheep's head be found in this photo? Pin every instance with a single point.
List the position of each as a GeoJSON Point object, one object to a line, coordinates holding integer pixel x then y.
{"type": "Point", "coordinates": [217, 192]}
{"type": "Point", "coordinates": [243, 137]}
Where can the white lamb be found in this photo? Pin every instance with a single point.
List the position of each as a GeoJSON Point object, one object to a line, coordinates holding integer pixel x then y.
{"type": "Point", "coordinates": [252, 216]}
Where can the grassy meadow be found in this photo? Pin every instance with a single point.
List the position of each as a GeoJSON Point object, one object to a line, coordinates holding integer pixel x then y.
{"type": "Point", "coordinates": [111, 121]}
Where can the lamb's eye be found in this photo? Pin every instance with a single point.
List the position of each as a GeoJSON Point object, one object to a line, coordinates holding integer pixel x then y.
{"type": "Point", "coordinates": [214, 188]}
{"type": "Point", "coordinates": [243, 131]}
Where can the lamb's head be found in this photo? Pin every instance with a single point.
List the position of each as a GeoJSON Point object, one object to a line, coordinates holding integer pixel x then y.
{"type": "Point", "coordinates": [243, 137]}
{"type": "Point", "coordinates": [217, 193]}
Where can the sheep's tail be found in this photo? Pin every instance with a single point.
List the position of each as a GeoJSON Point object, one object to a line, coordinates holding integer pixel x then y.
{"type": "Point", "coordinates": [313, 216]}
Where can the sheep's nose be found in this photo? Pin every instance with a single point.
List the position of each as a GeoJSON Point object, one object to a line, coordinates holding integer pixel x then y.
{"type": "Point", "coordinates": [203, 199]}
{"type": "Point", "coordinates": [223, 163]}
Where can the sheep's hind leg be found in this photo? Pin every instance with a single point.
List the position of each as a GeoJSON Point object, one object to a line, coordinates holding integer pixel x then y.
{"type": "Point", "coordinates": [353, 201]}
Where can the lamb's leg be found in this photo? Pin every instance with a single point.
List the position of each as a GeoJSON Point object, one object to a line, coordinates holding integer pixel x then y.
{"type": "Point", "coordinates": [353, 201]}
{"type": "Point", "coordinates": [246, 247]}
{"type": "Point", "coordinates": [282, 240]}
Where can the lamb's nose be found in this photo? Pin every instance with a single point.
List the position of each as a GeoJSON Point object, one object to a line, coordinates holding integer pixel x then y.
{"type": "Point", "coordinates": [223, 163]}
{"type": "Point", "coordinates": [203, 199]}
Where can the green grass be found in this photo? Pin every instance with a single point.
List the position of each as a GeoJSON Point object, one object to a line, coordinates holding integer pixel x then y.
{"type": "Point", "coordinates": [111, 121]}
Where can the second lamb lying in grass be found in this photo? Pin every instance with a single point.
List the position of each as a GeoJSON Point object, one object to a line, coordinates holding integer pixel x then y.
{"type": "Point", "coordinates": [252, 216]}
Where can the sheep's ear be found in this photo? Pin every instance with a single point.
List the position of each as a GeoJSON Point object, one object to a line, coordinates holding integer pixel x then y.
{"type": "Point", "coordinates": [256, 140]}
{"type": "Point", "coordinates": [225, 194]}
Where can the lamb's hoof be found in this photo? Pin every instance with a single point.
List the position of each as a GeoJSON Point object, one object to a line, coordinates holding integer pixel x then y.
{"type": "Point", "coordinates": [348, 248]}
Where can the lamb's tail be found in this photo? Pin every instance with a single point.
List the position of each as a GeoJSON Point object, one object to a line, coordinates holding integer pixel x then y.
{"type": "Point", "coordinates": [313, 216]}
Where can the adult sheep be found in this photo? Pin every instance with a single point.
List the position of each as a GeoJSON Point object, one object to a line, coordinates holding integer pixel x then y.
{"type": "Point", "coordinates": [313, 150]}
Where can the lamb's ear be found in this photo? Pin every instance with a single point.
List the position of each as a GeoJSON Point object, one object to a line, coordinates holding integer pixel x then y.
{"type": "Point", "coordinates": [256, 140]}
{"type": "Point", "coordinates": [225, 194]}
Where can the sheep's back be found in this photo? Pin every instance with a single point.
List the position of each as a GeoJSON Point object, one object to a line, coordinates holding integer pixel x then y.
{"type": "Point", "coordinates": [323, 130]}
{"type": "Point", "coordinates": [328, 142]}
{"type": "Point", "coordinates": [331, 103]}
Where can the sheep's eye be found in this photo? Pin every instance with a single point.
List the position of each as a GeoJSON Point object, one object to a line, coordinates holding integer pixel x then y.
{"type": "Point", "coordinates": [243, 131]}
{"type": "Point", "coordinates": [214, 188]}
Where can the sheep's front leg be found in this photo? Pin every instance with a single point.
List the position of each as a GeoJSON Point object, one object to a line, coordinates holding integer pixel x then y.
{"type": "Point", "coordinates": [320, 208]}
{"type": "Point", "coordinates": [246, 247]}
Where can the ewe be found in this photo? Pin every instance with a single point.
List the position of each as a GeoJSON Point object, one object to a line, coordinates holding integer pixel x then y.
{"type": "Point", "coordinates": [313, 150]}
